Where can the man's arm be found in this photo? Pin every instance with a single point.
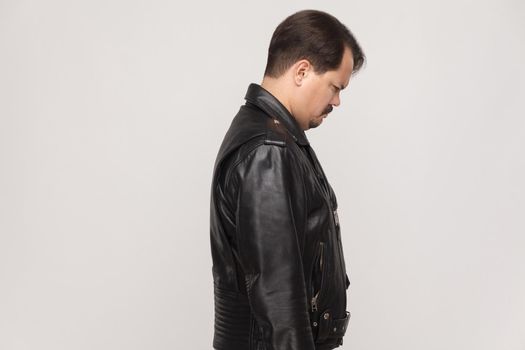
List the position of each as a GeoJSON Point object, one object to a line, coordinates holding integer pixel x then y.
{"type": "Point", "coordinates": [270, 205]}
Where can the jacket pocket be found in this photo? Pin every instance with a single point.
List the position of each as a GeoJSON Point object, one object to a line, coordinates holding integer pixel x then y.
{"type": "Point", "coordinates": [318, 276]}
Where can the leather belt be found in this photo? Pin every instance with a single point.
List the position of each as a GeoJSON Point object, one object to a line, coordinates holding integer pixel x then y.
{"type": "Point", "coordinates": [331, 328]}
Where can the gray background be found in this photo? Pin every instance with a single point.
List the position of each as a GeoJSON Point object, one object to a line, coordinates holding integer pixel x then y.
{"type": "Point", "coordinates": [112, 112]}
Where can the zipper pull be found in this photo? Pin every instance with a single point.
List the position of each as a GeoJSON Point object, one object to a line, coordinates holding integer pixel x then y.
{"type": "Point", "coordinates": [336, 217]}
{"type": "Point", "coordinates": [314, 303]}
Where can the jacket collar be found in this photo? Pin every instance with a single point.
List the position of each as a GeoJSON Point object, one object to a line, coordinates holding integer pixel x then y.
{"type": "Point", "coordinates": [263, 99]}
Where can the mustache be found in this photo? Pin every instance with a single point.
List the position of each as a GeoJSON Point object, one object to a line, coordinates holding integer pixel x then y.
{"type": "Point", "coordinates": [328, 109]}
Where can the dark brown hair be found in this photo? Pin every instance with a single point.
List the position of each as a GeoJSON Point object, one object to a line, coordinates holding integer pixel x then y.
{"type": "Point", "coordinates": [313, 35]}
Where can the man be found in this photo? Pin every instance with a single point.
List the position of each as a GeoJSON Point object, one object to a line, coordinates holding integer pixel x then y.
{"type": "Point", "coordinates": [279, 273]}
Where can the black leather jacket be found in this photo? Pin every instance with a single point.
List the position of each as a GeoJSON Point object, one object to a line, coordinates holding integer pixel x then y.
{"type": "Point", "coordinates": [278, 268]}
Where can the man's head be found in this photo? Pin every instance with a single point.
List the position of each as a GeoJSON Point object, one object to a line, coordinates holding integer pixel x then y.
{"type": "Point", "coordinates": [310, 59]}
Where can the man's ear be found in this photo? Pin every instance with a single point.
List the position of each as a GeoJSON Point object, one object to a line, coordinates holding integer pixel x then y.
{"type": "Point", "coordinates": [301, 70]}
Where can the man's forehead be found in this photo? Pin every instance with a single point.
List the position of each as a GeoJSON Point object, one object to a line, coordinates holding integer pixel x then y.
{"type": "Point", "coordinates": [342, 81]}
{"type": "Point", "coordinates": [340, 77]}
{"type": "Point", "coordinates": [346, 73]}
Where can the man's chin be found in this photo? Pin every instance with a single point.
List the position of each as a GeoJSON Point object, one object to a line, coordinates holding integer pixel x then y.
{"type": "Point", "coordinates": [315, 123]}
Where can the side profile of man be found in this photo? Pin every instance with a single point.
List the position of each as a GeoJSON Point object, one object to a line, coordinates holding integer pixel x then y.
{"type": "Point", "coordinates": [279, 273]}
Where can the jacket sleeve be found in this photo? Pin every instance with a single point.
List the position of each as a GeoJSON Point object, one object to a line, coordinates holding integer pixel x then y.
{"type": "Point", "coordinates": [270, 207]}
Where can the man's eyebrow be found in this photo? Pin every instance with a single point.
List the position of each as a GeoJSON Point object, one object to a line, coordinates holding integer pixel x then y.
{"type": "Point", "coordinates": [341, 87]}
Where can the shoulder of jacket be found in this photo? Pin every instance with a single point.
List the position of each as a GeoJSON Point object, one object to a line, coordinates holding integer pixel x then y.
{"type": "Point", "coordinates": [260, 147]}
{"type": "Point", "coordinates": [268, 142]}
{"type": "Point", "coordinates": [259, 129]}
{"type": "Point", "coordinates": [276, 133]}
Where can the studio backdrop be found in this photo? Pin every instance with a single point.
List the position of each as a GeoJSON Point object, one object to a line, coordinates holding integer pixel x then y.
{"type": "Point", "coordinates": [112, 113]}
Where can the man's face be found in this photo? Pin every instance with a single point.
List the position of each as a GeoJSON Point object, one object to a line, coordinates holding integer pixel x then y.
{"type": "Point", "coordinates": [318, 93]}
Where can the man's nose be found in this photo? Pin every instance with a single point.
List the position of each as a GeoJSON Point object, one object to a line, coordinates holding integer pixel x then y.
{"type": "Point", "coordinates": [336, 100]}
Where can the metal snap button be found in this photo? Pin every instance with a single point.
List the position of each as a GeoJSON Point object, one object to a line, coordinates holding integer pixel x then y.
{"type": "Point", "coordinates": [326, 316]}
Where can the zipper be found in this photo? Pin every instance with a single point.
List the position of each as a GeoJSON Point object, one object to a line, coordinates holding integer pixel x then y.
{"type": "Point", "coordinates": [315, 298]}
{"type": "Point", "coordinates": [337, 230]}
{"type": "Point", "coordinates": [328, 194]}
